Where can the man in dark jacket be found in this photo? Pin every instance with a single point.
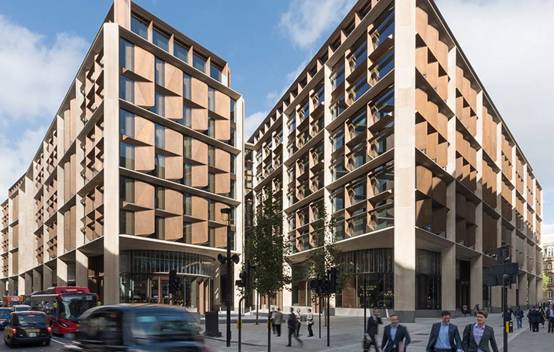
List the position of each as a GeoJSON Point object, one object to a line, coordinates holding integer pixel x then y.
{"type": "Point", "coordinates": [396, 337]}
{"type": "Point", "coordinates": [373, 329]}
{"type": "Point", "coordinates": [292, 324]}
{"type": "Point", "coordinates": [479, 336]}
{"type": "Point", "coordinates": [444, 336]}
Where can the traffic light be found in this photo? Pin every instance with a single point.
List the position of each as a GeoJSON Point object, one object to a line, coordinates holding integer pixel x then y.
{"type": "Point", "coordinates": [173, 282]}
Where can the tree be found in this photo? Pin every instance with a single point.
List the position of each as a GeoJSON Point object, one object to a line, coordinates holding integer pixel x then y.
{"type": "Point", "coordinates": [323, 257]}
{"type": "Point", "coordinates": [265, 250]}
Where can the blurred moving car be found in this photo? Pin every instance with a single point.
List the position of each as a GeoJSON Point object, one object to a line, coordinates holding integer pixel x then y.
{"type": "Point", "coordinates": [27, 328]}
{"type": "Point", "coordinates": [21, 307]}
{"type": "Point", "coordinates": [4, 316]}
{"type": "Point", "coordinates": [139, 328]}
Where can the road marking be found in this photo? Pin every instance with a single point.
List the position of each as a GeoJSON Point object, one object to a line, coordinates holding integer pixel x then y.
{"type": "Point", "coordinates": [56, 341]}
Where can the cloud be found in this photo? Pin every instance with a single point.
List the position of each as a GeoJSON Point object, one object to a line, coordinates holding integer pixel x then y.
{"type": "Point", "coordinates": [35, 76]}
{"type": "Point", "coordinates": [252, 122]}
{"type": "Point", "coordinates": [16, 156]}
{"type": "Point", "coordinates": [509, 46]}
{"type": "Point", "coordinates": [305, 21]}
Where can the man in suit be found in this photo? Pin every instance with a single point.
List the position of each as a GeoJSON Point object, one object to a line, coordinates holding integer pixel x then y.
{"type": "Point", "coordinates": [373, 329]}
{"type": "Point", "coordinates": [479, 336]}
{"type": "Point", "coordinates": [396, 337]}
{"type": "Point", "coordinates": [444, 336]}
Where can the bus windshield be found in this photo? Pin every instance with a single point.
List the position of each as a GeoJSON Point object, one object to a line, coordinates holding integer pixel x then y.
{"type": "Point", "coordinates": [72, 306]}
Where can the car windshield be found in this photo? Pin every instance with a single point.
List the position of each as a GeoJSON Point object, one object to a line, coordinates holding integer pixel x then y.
{"type": "Point", "coordinates": [5, 313]}
{"type": "Point", "coordinates": [21, 308]}
{"type": "Point", "coordinates": [163, 326]}
{"type": "Point", "coordinates": [72, 306]}
{"type": "Point", "coordinates": [31, 319]}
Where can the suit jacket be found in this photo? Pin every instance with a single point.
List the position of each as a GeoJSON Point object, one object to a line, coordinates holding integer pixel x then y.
{"type": "Point", "coordinates": [373, 325]}
{"type": "Point", "coordinates": [391, 345]}
{"type": "Point", "coordinates": [469, 344]}
{"type": "Point", "coordinates": [453, 337]}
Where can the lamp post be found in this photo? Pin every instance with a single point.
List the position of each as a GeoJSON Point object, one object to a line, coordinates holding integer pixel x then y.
{"type": "Point", "coordinates": [227, 260]}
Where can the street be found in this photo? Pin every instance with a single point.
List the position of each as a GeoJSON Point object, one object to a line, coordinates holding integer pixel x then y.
{"type": "Point", "coordinates": [56, 344]}
{"type": "Point", "coordinates": [344, 337]}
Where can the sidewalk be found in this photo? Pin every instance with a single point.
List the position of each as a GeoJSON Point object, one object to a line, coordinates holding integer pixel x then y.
{"type": "Point", "coordinates": [346, 335]}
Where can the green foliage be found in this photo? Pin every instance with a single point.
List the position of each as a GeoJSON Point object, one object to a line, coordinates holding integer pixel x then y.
{"type": "Point", "coordinates": [265, 250]}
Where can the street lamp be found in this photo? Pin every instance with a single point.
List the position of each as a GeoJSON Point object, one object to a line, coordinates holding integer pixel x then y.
{"type": "Point", "coordinates": [229, 281]}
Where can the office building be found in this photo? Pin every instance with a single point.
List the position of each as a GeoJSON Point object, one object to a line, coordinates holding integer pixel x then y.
{"type": "Point", "coordinates": [131, 177]}
{"type": "Point", "coordinates": [391, 129]}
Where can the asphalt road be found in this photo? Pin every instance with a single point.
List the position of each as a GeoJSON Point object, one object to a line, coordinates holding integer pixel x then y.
{"type": "Point", "coordinates": [56, 344]}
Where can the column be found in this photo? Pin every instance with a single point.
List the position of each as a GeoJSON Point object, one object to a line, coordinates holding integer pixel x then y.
{"type": "Point", "coordinates": [404, 160]}
{"type": "Point", "coordinates": [448, 255]}
{"type": "Point", "coordinates": [239, 194]}
{"type": "Point", "coordinates": [61, 272]}
{"type": "Point", "coordinates": [37, 281]}
{"type": "Point", "coordinates": [476, 284]}
{"type": "Point", "coordinates": [111, 164]}
{"type": "Point", "coordinates": [532, 290]}
{"type": "Point", "coordinates": [81, 269]}
{"type": "Point", "coordinates": [523, 285]}
{"type": "Point", "coordinates": [46, 277]}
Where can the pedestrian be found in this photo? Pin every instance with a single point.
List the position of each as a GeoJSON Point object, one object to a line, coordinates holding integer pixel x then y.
{"type": "Point", "coordinates": [299, 319]}
{"type": "Point", "coordinates": [550, 317]}
{"type": "Point", "coordinates": [277, 321]}
{"type": "Point", "coordinates": [542, 316]}
{"type": "Point", "coordinates": [372, 329]}
{"type": "Point", "coordinates": [478, 336]}
{"type": "Point", "coordinates": [444, 336]}
{"type": "Point", "coordinates": [519, 317]}
{"type": "Point", "coordinates": [396, 337]}
{"type": "Point", "coordinates": [292, 325]}
{"type": "Point", "coordinates": [310, 322]}
{"type": "Point", "coordinates": [534, 318]}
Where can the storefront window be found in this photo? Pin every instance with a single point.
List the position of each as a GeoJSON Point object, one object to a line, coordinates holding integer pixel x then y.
{"type": "Point", "coordinates": [428, 280]}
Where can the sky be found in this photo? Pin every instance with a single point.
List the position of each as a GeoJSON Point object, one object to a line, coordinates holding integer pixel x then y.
{"type": "Point", "coordinates": [267, 44]}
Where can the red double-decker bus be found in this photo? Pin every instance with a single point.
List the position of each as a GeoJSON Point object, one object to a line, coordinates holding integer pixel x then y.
{"type": "Point", "coordinates": [63, 305]}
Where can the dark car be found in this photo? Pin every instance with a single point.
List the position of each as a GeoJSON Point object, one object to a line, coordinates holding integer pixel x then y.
{"type": "Point", "coordinates": [4, 316]}
{"type": "Point", "coordinates": [27, 328]}
{"type": "Point", "coordinates": [137, 327]}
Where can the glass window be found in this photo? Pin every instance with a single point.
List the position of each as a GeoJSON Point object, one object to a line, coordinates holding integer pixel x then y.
{"type": "Point", "coordinates": [187, 173]}
{"type": "Point", "coordinates": [126, 155]}
{"type": "Point", "coordinates": [384, 105]}
{"type": "Point", "coordinates": [215, 72]}
{"type": "Point", "coordinates": [338, 200]}
{"type": "Point", "coordinates": [211, 99]}
{"type": "Point", "coordinates": [126, 54]}
{"type": "Point", "coordinates": [187, 152]}
{"type": "Point", "coordinates": [159, 165]}
{"type": "Point", "coordinates": [139, 26]}
{"type": "Point", "coordinates": [337, 169]}
{"type": "Point", "coordinates": [160, 39]}
{"type": "Point", "coordinates": [186, 86]}
{"type": "Point", "coordinates": [428, 280]}
{"type": "Point", "coordinates": [127, 190]}
{"type": "Point", "coordinates": [159, 73]}
{"type": "Point", "coordinates": [159, 103]}
{"type": "Point", "coordinates": [127, 222]}
{"type": "Point", "coordinates": [359, 54]}
{"type": "Point", "coordinates": [360, 87]}
{"type": "Point", "coordinates": [384, 64]}
{"type": "Point", "coordinates": [160, 198]}
{"type": "Point", "coordinates": [384, 29]}
{"type": "Point", "coordinates": [126, 123]}
{"type": "Point", "coordinates": [159, 227]}
{"type": "Point", "coordinates": [357, 192]}
{"type": "Point", "coordinates": [181, 51]}
{"type": "Point", "coordinates": [126, 89]}
{"type": "Point", "coordinates": [337, 77]}
{"type": "Point", "coordinates": [187, 115]}
{"type": "Point", "coordinates": [338, 140]}
{"type": "Point", "coordinates": [358, 124]}
{"type": "Point", "coordinates": [199, 62]}
{"type": "Point", "coordinates": [159, 136]}
{"type": "Point", "coordinates": [211, 126]}
{"type": "Point", "coordinates": [232, 109]}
